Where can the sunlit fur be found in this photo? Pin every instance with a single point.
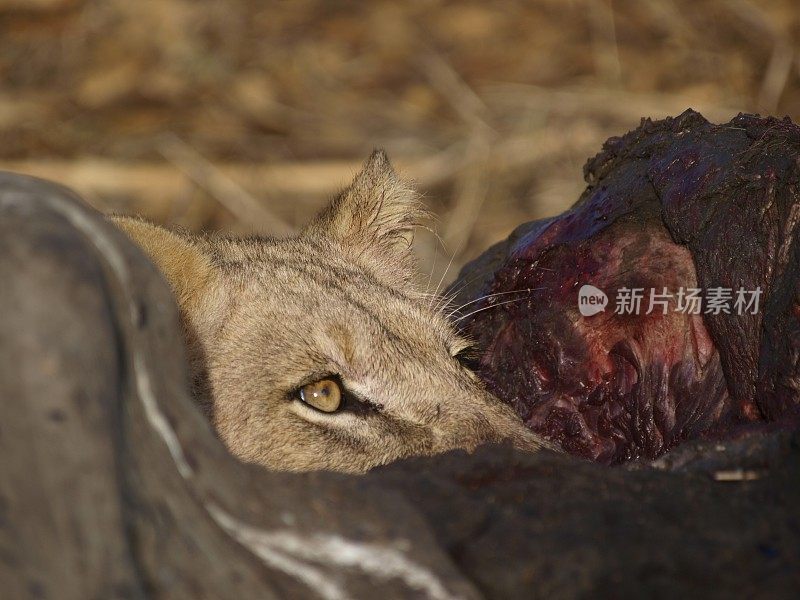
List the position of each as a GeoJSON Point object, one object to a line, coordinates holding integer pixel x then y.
{"type": "Point", "coordinates": [263, 317]}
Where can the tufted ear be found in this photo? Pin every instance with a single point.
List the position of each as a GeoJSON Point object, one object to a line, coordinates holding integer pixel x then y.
{"type": "Point", "coordinates": [374, 217]}
{"type": "Point", "coordinates": [186, 267]}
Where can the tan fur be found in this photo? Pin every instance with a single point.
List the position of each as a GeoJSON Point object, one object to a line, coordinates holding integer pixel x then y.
{"type": "Point", "coordinates": [189, 271]}
{"type": "Point", "coordinates": [263, 317]}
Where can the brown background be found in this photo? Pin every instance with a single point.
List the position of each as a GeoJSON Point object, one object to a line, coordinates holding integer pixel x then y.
{"type": "Point", "coordinates": [247, 116]}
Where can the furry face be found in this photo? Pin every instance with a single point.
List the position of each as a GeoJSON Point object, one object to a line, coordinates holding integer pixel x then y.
{"type": "Point", "coordinates": [317, 352]}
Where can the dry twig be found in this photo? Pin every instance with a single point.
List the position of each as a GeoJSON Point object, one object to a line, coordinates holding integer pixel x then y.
{"type": "Point", "coordinates": [223, 188]}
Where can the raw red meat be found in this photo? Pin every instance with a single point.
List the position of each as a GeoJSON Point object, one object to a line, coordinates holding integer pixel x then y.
{"type": "Point", "coordinates": [673, 206]}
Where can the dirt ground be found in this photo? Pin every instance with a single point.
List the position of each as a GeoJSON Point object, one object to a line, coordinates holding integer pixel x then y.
{"type": "Point", "coordinates": [248, 116]}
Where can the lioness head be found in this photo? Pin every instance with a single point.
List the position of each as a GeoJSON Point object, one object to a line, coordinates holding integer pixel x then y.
{"type": "Point", "coordinates": [318, 351]}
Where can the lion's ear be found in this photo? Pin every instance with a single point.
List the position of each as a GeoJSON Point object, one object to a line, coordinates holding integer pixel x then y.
{"type": "Point", "coordinates": [187, 268]}
{"type": "Point", "coordinates": [375, 216]}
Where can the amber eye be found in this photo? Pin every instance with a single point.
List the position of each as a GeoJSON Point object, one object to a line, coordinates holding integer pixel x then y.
{"type": "Point", "coordinates": [324, 395]}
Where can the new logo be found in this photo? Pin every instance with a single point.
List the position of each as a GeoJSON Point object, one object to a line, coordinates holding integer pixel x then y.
{"type": "Point", "coordinates": [591, 300]}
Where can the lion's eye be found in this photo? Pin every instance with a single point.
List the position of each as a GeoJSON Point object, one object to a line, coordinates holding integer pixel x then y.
{"type": "Point", "coordinates": [324, 395]}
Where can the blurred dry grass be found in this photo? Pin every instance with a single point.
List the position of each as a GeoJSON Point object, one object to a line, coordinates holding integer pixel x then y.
{"type": "Point", "coordinates": [247, 115]}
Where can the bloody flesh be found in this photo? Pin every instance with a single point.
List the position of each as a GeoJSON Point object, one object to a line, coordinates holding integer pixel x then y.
{"type": "Point", "coordinates": [675, 205]}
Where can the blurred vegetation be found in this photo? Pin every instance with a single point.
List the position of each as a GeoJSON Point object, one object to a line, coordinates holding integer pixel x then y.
{"type": "Point", "coordinates": [248, 116]}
